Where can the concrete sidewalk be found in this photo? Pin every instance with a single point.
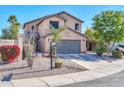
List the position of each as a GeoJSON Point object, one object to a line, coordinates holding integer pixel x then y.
{"type": "Point", "coordinates": [96, 70]}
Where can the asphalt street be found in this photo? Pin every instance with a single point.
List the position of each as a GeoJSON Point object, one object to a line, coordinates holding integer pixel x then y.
{"type": "Point", "coordinates": [116, 80]}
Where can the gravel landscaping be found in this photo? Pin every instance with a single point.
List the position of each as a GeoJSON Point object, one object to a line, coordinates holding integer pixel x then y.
{"type": "Point", "coordinates": [41, 68]}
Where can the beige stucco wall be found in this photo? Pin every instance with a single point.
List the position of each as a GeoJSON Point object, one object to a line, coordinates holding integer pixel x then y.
{"type": "Point", "coordinates": [71, 21]}
{"type": "Point", "coordinates": [69, 35]}
{"type": "Point", "coordinates": [28, 26]}
{"type": "Point", "coordinates": [42, 44]}
{"type": "Point", "coordinates": [44, 27]}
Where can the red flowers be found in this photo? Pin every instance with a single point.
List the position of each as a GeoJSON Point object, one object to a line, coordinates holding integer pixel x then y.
{"type": "Point", "coordinates": [9, 52]}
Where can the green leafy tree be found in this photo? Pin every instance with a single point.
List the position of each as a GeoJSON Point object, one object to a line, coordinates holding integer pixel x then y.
{"type": "Point", "coordinates": [91, 42]}
{"type": "Point", "coordinates": [5, 33]}
{"type": "Point", "coordinates": [109, 27]}
{"type": "Point", "coordinates": [90, 34]}
{"type": "Point", "coordinates": [12, 31]}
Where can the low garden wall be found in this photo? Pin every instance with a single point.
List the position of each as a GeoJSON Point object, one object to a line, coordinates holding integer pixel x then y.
{"type": "Point", "coordinates": [18, 42]}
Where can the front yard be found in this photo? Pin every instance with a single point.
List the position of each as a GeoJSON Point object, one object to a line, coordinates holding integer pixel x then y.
{"type": "Point", "coordinates": [41, 68]}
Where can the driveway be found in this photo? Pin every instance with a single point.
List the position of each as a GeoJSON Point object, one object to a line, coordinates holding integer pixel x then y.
{"type": "Point", "coordinates": [89, 60]}
{"type": "Point", "coordinates": [87, 57]}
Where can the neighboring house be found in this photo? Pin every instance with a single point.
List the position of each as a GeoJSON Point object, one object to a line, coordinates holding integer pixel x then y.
{"type": "Point", "coordinates": [73, 41]}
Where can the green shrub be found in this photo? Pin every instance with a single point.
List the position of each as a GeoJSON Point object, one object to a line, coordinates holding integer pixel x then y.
{"type": "Point", "coordinates": [100, 48]}
{"type": "Point", "coordinates": [117, 54]}
{"type": "Point", "coordinates": [58, 63]}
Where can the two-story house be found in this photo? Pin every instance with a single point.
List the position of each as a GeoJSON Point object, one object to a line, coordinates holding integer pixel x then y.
{"type": "Point", "coordinates": [73, 41]}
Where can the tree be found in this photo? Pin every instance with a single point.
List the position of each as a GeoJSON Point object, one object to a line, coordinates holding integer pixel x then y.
{"type": "Point", "coordinates": [14, 27]}
{"type": "Point", "coordinates": [109, 27]}
{"type": "Point", "coordinates": [12, 19]}
{"type": "Point", "coordinates": [91, 42]}
{"type": "Point", "coordinates": [90, 34]}
{"type": "Point", "coordinates": [31, 40]}
{"type": "Point", "coordinates": [5, 33]}
{"type": "Point", "coordinates": [56, 36]}
{"type": "Point", "coordinates": [12, 31]}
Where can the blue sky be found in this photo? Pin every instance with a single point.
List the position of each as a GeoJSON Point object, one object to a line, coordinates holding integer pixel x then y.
{"type": "Point", "coordinates": [27, 13]}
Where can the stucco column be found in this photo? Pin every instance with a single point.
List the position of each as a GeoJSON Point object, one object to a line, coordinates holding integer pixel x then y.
{"type": "Point", "coordinates": [83, 45]}
{"type": "Point", "coordinates": [20, 44]}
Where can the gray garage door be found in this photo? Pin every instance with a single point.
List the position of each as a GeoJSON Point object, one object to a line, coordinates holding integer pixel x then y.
{"type": "Point", "coordinates": [69, 46]}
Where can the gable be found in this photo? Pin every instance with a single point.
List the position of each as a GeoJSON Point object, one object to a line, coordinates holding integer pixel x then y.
{"type": "Point", "coordinates": [27, 27]}
{"type": "Point", "coordinates": [44, 17]}
{"type": "Point", "coordinates": [71, 21]}
{"type": "Point", "coordinates": [67, 16]}
{"type": "Point", "coordinates": [70, 34]}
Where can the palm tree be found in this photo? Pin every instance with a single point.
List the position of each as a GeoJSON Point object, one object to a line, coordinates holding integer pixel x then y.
{"type": "Point", "coordinates": [12, 19]}
{"type": "Point", "coordinates": [14, 26]}
{"type": "Point", "coordinates": [56, 37]}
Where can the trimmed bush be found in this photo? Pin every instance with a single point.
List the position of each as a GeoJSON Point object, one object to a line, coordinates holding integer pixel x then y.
{"type": "Point", "coordinates": [58, 63]}
{"type": "Point", "coordinates": [117, 54]}
{"type": "Point", "coordinates": [100, 49]}
{"type": "Point", "coordinates": [9, 52]}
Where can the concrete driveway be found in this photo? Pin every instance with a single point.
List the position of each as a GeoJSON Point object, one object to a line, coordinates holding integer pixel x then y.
{"type": "Point", "coordinates": [89, 60]}
{"type": "Point", "coordinates": [87, 57]}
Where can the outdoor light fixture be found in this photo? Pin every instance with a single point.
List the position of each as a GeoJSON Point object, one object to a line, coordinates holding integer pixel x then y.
{"type": "Point", "coordinates": [51, 60]}
{"type": "Point", "coordinates": [51, 44]}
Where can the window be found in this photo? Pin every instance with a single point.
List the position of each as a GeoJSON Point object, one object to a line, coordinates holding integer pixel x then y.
{"type": "Point", "coordinates": [32, 27]}
{"type": "Point", "coordinates": [76, 26]}
{"type": "Point", "coordinates": [54, 24]}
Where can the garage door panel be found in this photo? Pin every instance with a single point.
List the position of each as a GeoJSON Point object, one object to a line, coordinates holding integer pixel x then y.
{"type": "Point", "coordinates": [69, 46]}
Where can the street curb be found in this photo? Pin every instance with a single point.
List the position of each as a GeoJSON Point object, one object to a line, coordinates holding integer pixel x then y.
{"type": "Point", "coordinates": [64, 79]}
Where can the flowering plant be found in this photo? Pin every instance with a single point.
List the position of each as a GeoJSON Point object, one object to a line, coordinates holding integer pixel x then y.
{"type": "Point", "coordinates": [9, 52]}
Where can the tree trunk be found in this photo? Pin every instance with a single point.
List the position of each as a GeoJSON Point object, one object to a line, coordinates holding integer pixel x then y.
{"type": "Point", "coordinates": [108, 49]}
{"type": "Point", "coordinates": [29, 53]}
{"type": "Point", "coordinates": [30, 61]}
{"type": "Point", "coordinates": [55, 52]}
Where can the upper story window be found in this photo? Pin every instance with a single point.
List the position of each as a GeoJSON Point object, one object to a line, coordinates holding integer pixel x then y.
{"type": "Point", "coordinates": [76, 26]}
{"type": "Point", "coordinates": [32, 27]}
{"type": "Point", "coordinates": [54, 24]}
